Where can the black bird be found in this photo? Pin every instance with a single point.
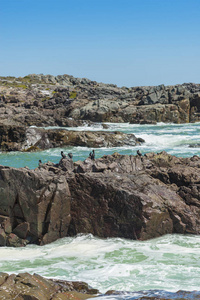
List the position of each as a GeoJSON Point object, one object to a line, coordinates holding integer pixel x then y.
{"type": "Point", "coordinates": [70, 155]}
{"type": "Point", "coordinates": [92, 155]}
{"type": "Point", "coordinates": [139, 153]}
{"type": "Point", "coordinates": [63, 155]}
{"type": "Point", "coordinates": [40, 164]}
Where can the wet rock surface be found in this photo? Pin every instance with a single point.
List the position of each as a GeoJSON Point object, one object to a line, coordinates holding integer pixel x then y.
{"type": "Point", "coordinates": [63, 100]}
{"type": "Point", "coordinates": [153, 295]}
{"type": "Point", "coordinates": [114, 196]}
{"type": "Point", "coordinates": [21, 138]}
{"type": "Point", "coordinates": [36, 287]}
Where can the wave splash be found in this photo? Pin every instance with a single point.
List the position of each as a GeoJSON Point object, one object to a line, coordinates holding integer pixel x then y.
{"type": "Point", "coordinates": [167, 263]}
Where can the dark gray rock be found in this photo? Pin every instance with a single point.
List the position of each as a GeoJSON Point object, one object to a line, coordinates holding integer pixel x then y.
{"type": "Point", "coordinates": [33, 139]}
{"type": "Point", "coordinates": [45, 100]}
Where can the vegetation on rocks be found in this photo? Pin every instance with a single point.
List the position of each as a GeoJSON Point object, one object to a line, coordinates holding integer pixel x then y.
{"type": "Point", "coordinates": [57, 98]}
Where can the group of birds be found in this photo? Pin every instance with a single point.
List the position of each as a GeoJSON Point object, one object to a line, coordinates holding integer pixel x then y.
{"type": "Point", "coordinates": [70, 155]}
{"type": "Point", "coordinates": [91, 156]}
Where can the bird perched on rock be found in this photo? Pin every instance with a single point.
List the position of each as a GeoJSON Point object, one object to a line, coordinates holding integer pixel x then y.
{"type": "Point", "coordinates": [139, 153]}
{"type": "Point", "coordinates": [40, 164]}
{"type": "Point", "coordinates": [70, 155]}
{"type": "Point", "coordinates": [63, 155]}
{"type": "Point", "coordinates": [92, 155]}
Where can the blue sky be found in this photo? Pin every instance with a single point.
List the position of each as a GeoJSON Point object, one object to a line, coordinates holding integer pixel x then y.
{"type": "Point", "coordinates": [126, 42]}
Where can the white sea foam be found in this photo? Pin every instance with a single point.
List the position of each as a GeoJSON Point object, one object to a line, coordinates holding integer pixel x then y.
{"type": "Point", "coordinates": [113, 263]}
{"type": "Point", "coordinates": [173, 138]}
{"type": "Point", "coordinates": [173, 260]}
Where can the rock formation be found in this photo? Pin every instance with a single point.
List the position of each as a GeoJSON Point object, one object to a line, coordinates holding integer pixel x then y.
{"type": "Point", "coordinates": [45, 100]}
{"type": "Point", "coordinates": [21, 138]}
{"type": "Point", "coordinates": [114, 196]}
{"type": "Point", "coordinates": [36, 287]}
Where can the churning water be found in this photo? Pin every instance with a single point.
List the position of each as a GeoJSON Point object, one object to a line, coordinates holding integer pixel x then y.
{"type": "Point", "coordinates": [176, 139]}
{"type": "Point", "coordinates": [170, 263]}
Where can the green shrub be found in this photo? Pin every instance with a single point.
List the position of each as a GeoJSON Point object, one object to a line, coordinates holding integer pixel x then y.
{"type": "Point", "coordinates": [73, 95]}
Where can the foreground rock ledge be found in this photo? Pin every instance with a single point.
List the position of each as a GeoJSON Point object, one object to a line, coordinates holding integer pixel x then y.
{"type": "Point", "coordinates": [36, 287]}
{"type": "Point", "coordinates": [114, 196]}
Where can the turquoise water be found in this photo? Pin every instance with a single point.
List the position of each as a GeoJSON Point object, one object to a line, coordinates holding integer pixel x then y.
{"type": "Point", "coordinates": [171, 262]}
{"type": "Point", "coordinates": [175, 139]}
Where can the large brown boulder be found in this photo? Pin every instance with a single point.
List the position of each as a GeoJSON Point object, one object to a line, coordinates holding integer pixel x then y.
{"type": "Point", "coordinates": [137, 198]}
{"type": "Point", "coordinates": [36, 287]}
{"type": "Point", "coordinates": [34, 205]}
{"type": "Point", "coordinates": [115, 196]}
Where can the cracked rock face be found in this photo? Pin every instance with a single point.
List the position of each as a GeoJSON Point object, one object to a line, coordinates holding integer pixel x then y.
{"type": "Point", "coordinates": [136, 197]}
{"type": "Point", "coordinates": [34, 206]}
{"type": "Point", "coordinates": [114, 196]}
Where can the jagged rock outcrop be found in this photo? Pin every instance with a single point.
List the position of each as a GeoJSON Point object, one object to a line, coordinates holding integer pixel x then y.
{"type": "Point", "coordinates": [21, 138]}
{"type": "Point", "coordinates": [136, 198]}
{"type": "Point", "coordinates": [34, 205]}
{"type": "Point", "coordinates": [45, 100]}
{"type": "Point", "coordinates": [36, 287]}
{"type": "Point", "coordinates": [115, 196]}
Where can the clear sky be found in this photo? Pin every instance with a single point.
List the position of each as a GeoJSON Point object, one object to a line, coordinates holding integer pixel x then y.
{"type": "Point", "coordinates": [125, 42]}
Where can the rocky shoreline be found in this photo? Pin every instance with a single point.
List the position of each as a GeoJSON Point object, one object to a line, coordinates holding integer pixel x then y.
{"type": "Point", "coordinates": [134, 197]}
{"type": "Point", "coordinates": [117, 195]}
{"type": "Point", "coordinates": [36, 287]}
{"type": "Point", "coordinates": [65, 101]}
{"type": "Point", "coordinates": [22, 138]}
{"type": "Point", "coordinates": [46, 100]}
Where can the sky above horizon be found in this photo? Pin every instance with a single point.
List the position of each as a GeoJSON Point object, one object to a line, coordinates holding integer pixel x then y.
{"type": "Point", "coordinates": [124, 42]}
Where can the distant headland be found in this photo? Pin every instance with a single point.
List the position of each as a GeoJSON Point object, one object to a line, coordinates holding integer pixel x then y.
{"type": "Point", "coordinates": [66, 101]}
{"type": "Point", "coordinates": [63, 100]}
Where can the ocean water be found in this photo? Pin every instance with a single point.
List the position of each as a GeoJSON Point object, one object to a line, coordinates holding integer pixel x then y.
{"type": "Point", "coordinates": [169, 263]}
{"type": "Point", "coordinates": [173, 138]}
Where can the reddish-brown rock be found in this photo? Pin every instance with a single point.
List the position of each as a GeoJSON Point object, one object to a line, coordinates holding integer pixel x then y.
{"type": "Point", "coordinates": [114, 196]}
{"type": "Point", "coordinates": [36, 287]}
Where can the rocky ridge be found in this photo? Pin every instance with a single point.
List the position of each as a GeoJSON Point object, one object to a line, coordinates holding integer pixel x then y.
{"type": "Point", "coordinates": [114, 196]}
{"type": "Point", "coordinates": [46, 100]}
